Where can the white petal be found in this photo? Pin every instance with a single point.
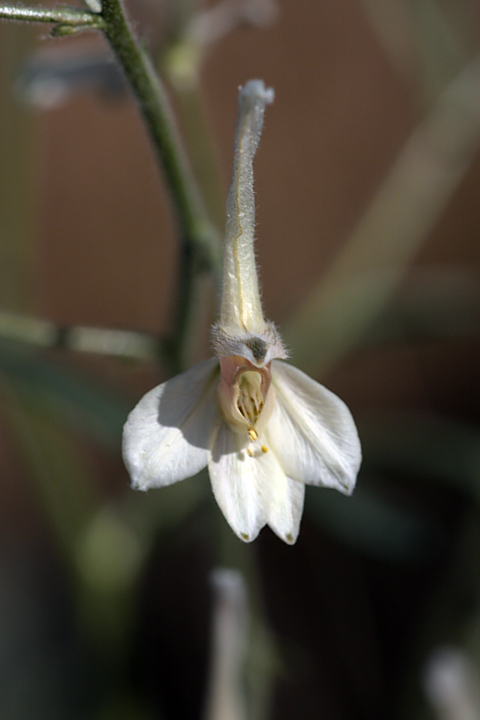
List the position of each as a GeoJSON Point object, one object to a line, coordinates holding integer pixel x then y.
{"type": "Point", "coordinates": [285, 506]}
{"type": "Point", "coordinates": [312, 431]}
{"type": "Point", "coordinates": [167, 435]}
{"type": "Point", "coordinates": [235, 485]}
{"type": "Point", "coordinates": [253, 491]}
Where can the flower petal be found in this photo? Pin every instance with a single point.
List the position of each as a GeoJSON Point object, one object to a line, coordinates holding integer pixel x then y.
{"type": "Point", "coordinates": [312, 431]}
{"type": "Point", "coordinates": [167, 435]}
{"type": "Point", "coordinates": [285, 504]}
{"type": "Point", "coordinates": [236, 487]}
{"type": "Point", "coordinates": [253, 490]}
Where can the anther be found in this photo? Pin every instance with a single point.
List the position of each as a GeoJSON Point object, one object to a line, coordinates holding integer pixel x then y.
{"type": "Point", "coordinates": [250, 451]}
{"type": "Point", "coordinates": [252, 433]}
{"type": "Point", "coordinates": [264, 449]}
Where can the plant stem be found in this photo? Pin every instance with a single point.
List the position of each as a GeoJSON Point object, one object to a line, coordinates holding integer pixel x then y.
{"type": "Point", "coordinates": [64, 15]}
{"type": "Point", "coordinates": [195, 228]}
{"type": "Point", "coordinates": [200, 249]}
{"type": "Point", "coordinates": [199, 241]}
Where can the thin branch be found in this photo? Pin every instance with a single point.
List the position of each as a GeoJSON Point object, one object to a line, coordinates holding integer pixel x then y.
{"type": "Point", "coordinates": [192, 218]}
{"type": "Point", "coordinates": [194, 225]}
{"type": "Point", "coordinates": [63, 15]}
{"type": "Point", "coordinates": [199, 241]}
{"type": "Point", "coordinates": [103, 341]}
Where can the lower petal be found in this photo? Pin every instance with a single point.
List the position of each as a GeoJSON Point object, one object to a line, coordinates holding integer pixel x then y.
{"type": "Point", "coordinates": [235, 484]}
{"type": "Point", "coordinates": [252, 489]}
{"type": "Point", "coordinates": [285, 505]}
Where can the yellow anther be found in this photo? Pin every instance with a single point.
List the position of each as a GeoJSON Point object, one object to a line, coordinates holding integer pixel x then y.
{"type": "Point", "coordinates": [264, 449]}
{"type": "Point", "coordinates": [250, 451]}
{"type": "Point", "coordinates": [252, 433]}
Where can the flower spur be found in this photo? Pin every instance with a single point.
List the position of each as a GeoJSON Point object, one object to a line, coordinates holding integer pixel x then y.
{"type": "Point", "coordinates": [263, 427]}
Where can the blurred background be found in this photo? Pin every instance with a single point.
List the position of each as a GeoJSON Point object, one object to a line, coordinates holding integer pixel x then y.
{"type": "Point", "coordinates": [368, 218]}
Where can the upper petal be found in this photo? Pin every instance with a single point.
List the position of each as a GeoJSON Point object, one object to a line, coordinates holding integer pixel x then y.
{"type": "Point", "coordinates": [253, 491]}
{"type": "Point", "coordinates": [167, 435]}
{"type": "Point", "coordinates": [312, 431]}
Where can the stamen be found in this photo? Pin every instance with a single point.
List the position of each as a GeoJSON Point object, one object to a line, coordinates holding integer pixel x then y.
{"type": "Point", "coordinates": [250, 451]}
{"type": "Point", "coordinates": [250, 401]}
{"type": "Point", "coordinates": [264, 449]}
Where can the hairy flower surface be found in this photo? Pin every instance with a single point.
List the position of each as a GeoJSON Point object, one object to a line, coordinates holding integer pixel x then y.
{"type": "Point", "coordinates": [263, 427]}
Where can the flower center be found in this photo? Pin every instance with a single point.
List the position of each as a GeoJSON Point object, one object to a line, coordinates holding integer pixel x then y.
{"type": "Point", "coordinates": [250, 401]}
{"type": "Point", "coordinates": [245, 396]}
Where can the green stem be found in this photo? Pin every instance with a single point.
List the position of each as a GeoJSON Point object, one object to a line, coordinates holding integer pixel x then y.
{"type": "Point", "coordinates": [194, 226]}
{"type": "Point", "coordinates": [199, 243]}
{"type": "Point", "coordinates": [154, 106]}
{"type": "Point", "coordinates": [63, 15]}
{"type": "Point", "coordinates": [200, 246]}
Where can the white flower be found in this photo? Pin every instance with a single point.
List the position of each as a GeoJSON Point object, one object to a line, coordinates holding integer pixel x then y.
{"type": "Point", "coordinates": [263, 427]}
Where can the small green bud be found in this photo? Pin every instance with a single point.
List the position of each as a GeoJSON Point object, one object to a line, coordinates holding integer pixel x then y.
{"type": "Point", "coordinates": [64, 30]}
